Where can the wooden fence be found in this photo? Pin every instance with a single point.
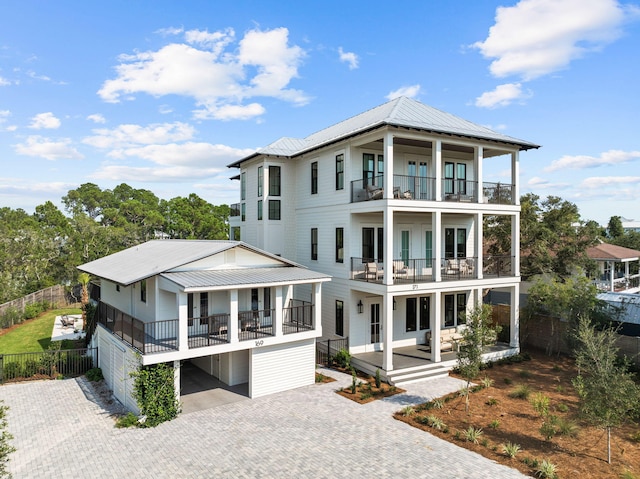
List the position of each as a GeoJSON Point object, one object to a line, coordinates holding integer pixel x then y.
{"type": "Point", "coordinates": [57, 296]}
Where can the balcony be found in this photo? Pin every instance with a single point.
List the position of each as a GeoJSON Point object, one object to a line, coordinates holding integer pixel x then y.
{"type": "Point", "coordinates": [459, 190]}
{"type": "Point", "coordinates": [497, 193]}
{"type": "Point", "coordinates": [234, 210]}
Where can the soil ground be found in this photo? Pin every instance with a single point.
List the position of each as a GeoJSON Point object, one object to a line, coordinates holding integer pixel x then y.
{"type": "Point", "coordinates": [516, 421]}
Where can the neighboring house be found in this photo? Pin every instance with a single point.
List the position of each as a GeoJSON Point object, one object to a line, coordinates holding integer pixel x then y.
{"type": "Point", "coordinates": [626, 311]}
{"type": "Point", "coordinates": [617, 268]}
{"type": "Point", "coordinates": [240, 314]}
{"type": "Point", "coordinates": [391, 204]}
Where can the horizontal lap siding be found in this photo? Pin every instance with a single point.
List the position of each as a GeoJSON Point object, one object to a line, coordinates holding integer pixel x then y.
{"type": "Point", "coordinates": [282, 367]}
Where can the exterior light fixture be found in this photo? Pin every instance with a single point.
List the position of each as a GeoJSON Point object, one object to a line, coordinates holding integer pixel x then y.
{"type": "Point", "coordinates": [359, 307]}
{"type": "Point", "coordinates": [394, 304]}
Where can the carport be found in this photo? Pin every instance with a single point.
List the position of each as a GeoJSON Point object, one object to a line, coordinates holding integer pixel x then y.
{"type": "Point", "coordinates": [199, 390]}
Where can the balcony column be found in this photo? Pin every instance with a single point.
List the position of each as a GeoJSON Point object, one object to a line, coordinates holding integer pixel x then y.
{"type": "Point", "coordinates": [387, 248]}
{"type": "Point", "coordinates": [436, 228]}
{"type": "Point", "coordinates": [514, 320]}
{"type": "Point", "coordinates": [436, 159]}
{"type": "Point", "coordinates": [183, 321]}
{"type": "Point", "coordinates": [233, 316]}
{"type": "Point", "coordinates": [388, 167]}
{"type": "Point", "coordinates": [434, 325]}
{"type": "Point", "coordinates": [515, 244]}
{"type": "Point", "coordinates": [176, 379]}
{"type": "Point", "coordinates": [387, 332]}
{"type": "Point", "coordinates": [479, 243]}
{"type": "Point", "coordinates": [278, 317]}
{"type": "Point", "coordinates": [479, 161]}
{"type": "Point", "coordinates": [316, 301]}
{"type": "Point", "coordinates": [515, 172]}
{"type": "Point", "coordinates": [612, 276]}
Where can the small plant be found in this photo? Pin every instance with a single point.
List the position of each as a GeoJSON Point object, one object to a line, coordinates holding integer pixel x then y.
{"type": "Point", "coordinates": [524, 374]}
{"type": "Point", "coordinates": [511, 449]}
{"type": "Point", "coordinates": [560, 388]}
{"type": "Point", "coordinates": [408, 411]}
{"type": "Point", "coordinates": [438, 403]}
{"type": "Point", "coordinates": [464, 392]}
{"type": "Point", "coordinates": [491, 401]}
{"type": "Point", "coordinates": [457, 435]}
{"type": "Point", "coordinates": [94, 374]}
{"type": "Point", "coordinates": [635, 437]}
{"type": "Point", "coordinates": [128, 420]}
{"type": "Point", "coordinates": [562, 407]}
{"type": "Point", "coordinates": [540, 404]}
{"type": "Point", "coordinates": [436, 423]}
{"type": "Point", "coordinates": [378, 378]}
{"type": "Point", "coordinates": [546, 470]}
{"type": "Point", "coordinates": [549, 427]}
{"type": "Point", "coordinates": [354, 382]}
{"type": "Point", "coordinates": [627, 474]}
{"type": "Point", "coordinates": [343, 358]}
{"type": "Point", "coordinates": [495, 424]}
{"type": "Point", "coordinates": [472, 434]}
{"type": "Point", "coordinates": [365, 395]}
{"type": "Point", "coordinates": [486, 382]}
{"type": "Point", "coordinates": [556, 368]}
{"type": "Point", "coordinates": [507, 381]}
{"type": "Point", "coordinates": [567, 427]}
{"type": "Point", "coordinates": [521, 391]}
{"type": "Point", "coordinates": [484, 442]}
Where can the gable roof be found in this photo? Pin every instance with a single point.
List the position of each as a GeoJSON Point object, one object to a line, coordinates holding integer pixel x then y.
{"type": "Point", "coordinates": [605, 251]}
{"type": "Point", "coordinates": [158, 256]}
{"type": "Point", "coordinates": [401, 112]}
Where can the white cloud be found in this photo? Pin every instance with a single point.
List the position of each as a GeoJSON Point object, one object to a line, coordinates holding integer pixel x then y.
{"type": "Point", "coordinates": [45, 121]}
{"type": "Point", "coordinates": [186, 154]}
{"type": "Point", "coordinates": [537, 37]}
{"type": "Point", "coordinates": [349, 58]}
{"type": "Point", "coordinates": [4, 114]}
{"type": "Point", "coordinates": [598, 182]}
{"type": "Point", "coordinates": [4, 82]}
{"type": "Point", "coordinates": [410, 91]}
{"type": "Point", "coordinates": [503, 95]}
{"type": "Point", "coordinates": [263, 65]}
{"type": "Point", "coordinates": [154, 174]}
{"type": "Point", "coordinates": [608, 158]}
{"type": "Point", "coordinates": [97, 118]}
{"type": "Point", "coordinates": [133, 135]}
{"type": "Point", "coordinates": [49, 149]}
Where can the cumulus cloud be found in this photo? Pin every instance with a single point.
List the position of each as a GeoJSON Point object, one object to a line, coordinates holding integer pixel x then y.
{"type": "Point", "coordinates": [597, 182]}
{"type": "Point", "coordinates": [608, 158]}
{"type": "Point", "coordinates": [153, 174]}
{"type": "Point", "coordinates": [349, 58]}
{"type": "Point", "coordinates": [134, 135]}
{"type": "Point", "coordinates": [45, 121]}
{"type": "Point", "coordinates": [216, 76]}
{"type": "Point", "coordinates": [4, 82]}
{"type": "Point", "coordinates": [410, 91]}
{"type": "Point", "coordinates": [503, 95]}
{"type": "Point", "coordinates": [185, 154]}
{"type": "Point", "coordinates": [97, 118]}
{"type": "Point", "coordinates": [49, 149]}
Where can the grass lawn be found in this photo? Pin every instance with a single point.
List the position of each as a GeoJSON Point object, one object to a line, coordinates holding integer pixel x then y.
{"type": "Point", "coordinates": [33, 334]}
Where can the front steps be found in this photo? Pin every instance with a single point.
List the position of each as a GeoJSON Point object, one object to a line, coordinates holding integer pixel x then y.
{"type": "Point", "coordinates": [417, 374]}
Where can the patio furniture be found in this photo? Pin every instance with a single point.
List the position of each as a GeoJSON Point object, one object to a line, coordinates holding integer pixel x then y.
{"type": "Point", "coordinates": [372, 272]}
{"type": "Point", "coordinates": [374, 192]}
{"type": "Point", "coordinates": [67, 322]}
{"type": "Point", "coordinates": [400, 270]}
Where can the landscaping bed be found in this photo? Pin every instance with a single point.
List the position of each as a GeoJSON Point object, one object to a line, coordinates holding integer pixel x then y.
{"type": "Point", "coordinates": [574, 448]}
{"type": "Point", "coordinates": [366, 390]}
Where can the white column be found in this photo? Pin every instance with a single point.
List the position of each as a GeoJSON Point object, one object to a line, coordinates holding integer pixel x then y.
{"type": "Point", "coordinates": [436, 227]}
{"type": "Point", "coordinates": [317, 307]}
{"type": "Point", "coordinates": [612, 267]}
{"type": "Point", "coordinates": [176, 379]}
{"type": "Point", "coordinates": [515, 244]}
{"type": "Point", "coordinates": [479, 161]}
{"type": "Point", "coordinates": [436, 157]}
{"type": "Point", "coordinates": [278, 307]}
{"type": "Point", "coordinates": [479, 242]}
{"type": "Point", "coordinates": [388, 166]}
{"type": "Point", "coordinates": [387, 263]}
{"type": "Point", "coordinates": [183, 322]}
{"type": "Point", "coordinates": [387, 332]}
{"type": "Point", "coordinates": [435, 324]}
{"type": "Point", "coordinates": [514, 320]}
{"type": "Point", "coordinates": [233, 316]}
{"type": "Point", "coordinates": [515, 173]}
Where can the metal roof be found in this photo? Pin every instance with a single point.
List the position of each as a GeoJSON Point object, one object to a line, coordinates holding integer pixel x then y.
{"type": "Point", "coordinates": [242, 277]}
{"type": "Point", "coordinates": [401, 112]}
{"type": "Point", "coordinates": [158, 256]}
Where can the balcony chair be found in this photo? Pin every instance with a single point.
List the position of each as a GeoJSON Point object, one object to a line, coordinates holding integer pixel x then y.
{"type": "Point", "coordinates": [400, 270]}
{"type": "Point", "coordinates": [372, 272]}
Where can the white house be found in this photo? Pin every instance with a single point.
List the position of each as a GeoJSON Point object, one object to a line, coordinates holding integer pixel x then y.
{"type": "Point", "coordinates": [240, 314]}
{"type": "Point", "coordinates": [617, 268]}
{"type": "Point", "coordinates": [390, 203]}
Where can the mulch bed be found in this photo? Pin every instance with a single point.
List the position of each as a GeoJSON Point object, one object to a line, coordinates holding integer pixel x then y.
{"type": "Point", "coordinates": [366, 390]}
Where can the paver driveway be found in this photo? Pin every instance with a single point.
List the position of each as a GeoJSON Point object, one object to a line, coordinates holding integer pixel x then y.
{"type": "Point", "coordinates": [62, 432]}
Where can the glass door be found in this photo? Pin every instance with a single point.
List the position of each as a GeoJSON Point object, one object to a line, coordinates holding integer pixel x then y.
{"type": "Point", "coordinates": [404, 252]}
{"type": "Point", "coordinates": [375, 323]}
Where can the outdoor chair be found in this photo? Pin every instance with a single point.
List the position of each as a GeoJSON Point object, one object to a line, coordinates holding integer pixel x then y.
{"type": "Point", "coordinates": [67, 322]}
{"type": "Point", "coordinates": [400, 270]}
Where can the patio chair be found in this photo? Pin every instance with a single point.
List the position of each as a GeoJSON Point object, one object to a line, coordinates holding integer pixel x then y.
{"type": "Point", "coordinates": [400, 270]}
{"type": "Point", "coordinates": [372, 272]}
{"type": "Point", "coordinates": [67, 322]}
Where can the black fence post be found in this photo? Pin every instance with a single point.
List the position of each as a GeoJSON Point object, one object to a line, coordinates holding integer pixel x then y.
{"type": "Point", "coordinates": [328, 353]}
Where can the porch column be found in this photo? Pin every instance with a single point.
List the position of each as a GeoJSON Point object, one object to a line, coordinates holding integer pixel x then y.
{"type": "Point", "coordinates": [612, 274]}
{"type": "Point", "coordinates": [436, 158]}
{"type": "Point", "coordinates": [388, 170]}
{"type": "Point", "coordinates": [515, 244]}
{"type": "Point", "coordinates": [387, 332]}
{"type": "Point", "coordinates": [436, 227]}
{"type": "Point", "coordinates": [176, 379]}
{"type": "Point", "coordinates": [479, 160]}
{"type": "Point", "coordinates": [317, 307]}
{"type": "Point", "coordinates": [514, 320]}
{"type": "Point", "coordinates": [478, 297]}
{"type": "Point", "coordinates": [233, 316]}
{"type": "Point", "coordinates": [479, 244]}
{"type": "Point", "coordinates": [183, 322]}
{"type": "Point", "coordinates": [434, 325]}
{"type": "Point", "coordinates": [388, 248]}
{"type": "Point", "coordinates": [515, 173]}
{"type": "Point", "coordinates": [278, 307]}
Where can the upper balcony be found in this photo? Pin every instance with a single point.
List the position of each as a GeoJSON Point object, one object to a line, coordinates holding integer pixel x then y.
{"type": "Point", "coordinates": [420, 188]}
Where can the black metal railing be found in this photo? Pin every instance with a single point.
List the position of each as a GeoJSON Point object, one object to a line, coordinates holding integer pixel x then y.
{"type": "Point", "coordinates": [459, 190]}
{"type": "Point", "coordinates": [50, 364]}
{"type": "Point", "coordinates": [497, 266]}
{"type": "Point", "coordinates": [412, 270]}
{"type": "Point", "coordinates": [326, 349]}
{"type": "Point", "coordinates": [414, 187]}
{"type": "Point", "coordinates": [209, 330]}
{"type": "Point", "coordinates": [454, 269]}
{"type": "Point", "coordinates": [497, 193]}
{"type": "Point", "coordinates": [367, 189]}
{"type": "Point", "coordinates": [297, 317]}
{"type": "Point", "coordinates": [255, 324]}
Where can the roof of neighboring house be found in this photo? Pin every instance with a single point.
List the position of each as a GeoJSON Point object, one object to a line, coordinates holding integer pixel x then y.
{"type": "Point", "coordinates": [605, 251]}
{"type": "Point", "coordinates": [159, 256]}
{"type": "Point", "coordinates": [629, 303]}
{"type": "Point", "coordinates": [400, 112]}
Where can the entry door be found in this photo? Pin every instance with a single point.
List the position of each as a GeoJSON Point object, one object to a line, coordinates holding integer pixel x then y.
{"type": "Point", "coordinates": [405, 247]}
{"type": "Point", "coordinates": [375, 323]}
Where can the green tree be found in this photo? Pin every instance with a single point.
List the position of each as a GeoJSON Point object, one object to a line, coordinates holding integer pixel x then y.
{"type": "Point", "coordinates": [88, 198]}
{"type": "Point", "coordinates": [477, 334]}
{"type": "Point", "coordinates": [5, 447]}
{"type": "Point", "coordinates": [614, 228]}
{"type": "Point", "coordinates": [608, 393]}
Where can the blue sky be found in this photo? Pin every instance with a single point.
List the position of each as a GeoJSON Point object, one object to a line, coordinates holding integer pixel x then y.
{"type": "Point", "coordinates": [163, 95]}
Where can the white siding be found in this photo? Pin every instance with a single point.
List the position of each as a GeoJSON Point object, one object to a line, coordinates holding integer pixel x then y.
{"type": "Point", "coordinates": [282, 367]}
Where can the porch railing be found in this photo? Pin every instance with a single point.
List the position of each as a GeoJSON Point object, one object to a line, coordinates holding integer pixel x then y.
{"type": "Point", "coordinates": [367, 189]}
{"type": "Point", "coordinates": [459, 268]}
{"type": "Point", "coordinates": [297, 317]}
{"type": "Point", "coordinates": [209, 330]}
{"type": "Point", "coordinates": [459, 190]}
{"type": "Point", "coordinates": [326, 349]}
{"type": "Point", "coordinates": [497, 193]}
{"type": "Point", "coordinates": [418, 270]}
{"type": "Point", "coordinates": [414, 187]}
{"type": "Point", "coordinates": [497, 266]}
{"type": "Point", "coordinates": [255, 324]}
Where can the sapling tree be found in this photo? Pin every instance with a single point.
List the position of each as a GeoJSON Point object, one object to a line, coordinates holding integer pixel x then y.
{"type": "Point", "coordinates": [607, 390]}
{"type": "Point", "coordinates": [5, 447]}
{"type": "Point", "coordinates": [477, 334]}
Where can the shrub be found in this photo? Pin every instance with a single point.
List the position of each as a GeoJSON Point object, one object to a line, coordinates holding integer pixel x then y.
{"type": "Point", "coordinates": [562, 407]}
{"type": "Point", "coordinates": [30, 368]}
{"type": "Point", "coordinates": [546, 470]}
{"type": "Point", "coordinates": [524, 374]}
{"type": "Point", "coordinates": [435, 422]}
{"type": "Point", "coordinates": [507, 381]}
{"type": "Point", "coordinates": [549, 427]}
{"type": "Point", "coordinates": [567, 427]}
{"type": "Point", "coordinates": [354, 382]}
{"type": "Point", "coordinates": [154, 390]}
{"type": "Point", "coordinates": [472, 434]}
{"type": "Point", "coordinates": [94, 374]}
{"type": "Point", "coordinates": [377, 378]}
{"type": "Point", "coordinates": [438, 403]}
{"type": "Point", "coordinates": [495, 424]}
{"type": "Point", "coordinates": [635, 437]}
{"type": "Point", "coordinates": [486, 382]}
{"type": "Point", "coordinates": [491, 402]}
{"type": "Point", "coordinates": [32, 310]}
{"type": "Point", "coordinates": [10, 317]}
{"type": "Point", "coordinates": [521, 391]}
{"type": "Point", "coordinates": [511, 449]}
{"type": "Point", "coordinates": [540, 404]}
{"type": "Point", "coordinates": [128, 420]}
{"type": "Point", "coordinates": [365, 395]}
{"type": "Point", "coordinates": [343, 358]}
{"type": "Point", "coordinates": [11, 370]}
{"type": "Point", "coordinates": [5, 436]}
{"type": "Point", "coordinates": [408, 411]}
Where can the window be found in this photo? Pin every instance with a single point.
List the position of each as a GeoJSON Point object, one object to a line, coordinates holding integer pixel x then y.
{"type": "Point", "coordinates": [314, 178]}
{"type": "Point", "coordinates": [204, 308]}
{"type": "Point", "coordinates": [461, 308]}
{"type": "Point", "coordinates": [425, 312]}
{"type": "Point", "coordinates": [380, 165]}
{"type": "Point", "coordinates": [235, 233]}
{"type": "Point", "coordinates": [461, 242]}
{"type": "Point", "coordinates": [455, 243]}
{"type": "Point", "coordinates": [266, 294]}
{"type": "Point", "coordinates": [380, 244]}
{"type": "Point", "coordinates": [448, 178]}
{"type": "Point", "coordinates": [190, 309]}
{"type": "Point", "coordinates": [449, 318]}
{"type": "Point", "coordinates": [118, 288]}
{"type": "Point", "coordinates": [461, 175]}
{"type": "Point", "coordinates": [455, 308]}
{"type": "Point", "coordinates": [260, 180]}
{"type": "Point", "coordinates": [274, 209]}
{"type": "Point", "coordinates": [340, 172]}
{"type": "Point", "coordinates": [243, 211]}
{"type": "Point", "coordinates": [243, 186]}
{"type": "Point", "coordinates": [411, 314]}
{"type": "Point", "coordinates": [368, 253]}
{"type": "Point", "coordinates": [339, 318]}
{"type": "Point", "coordinates": [143, 290]}
{"type": "Point", "coordinates": [368, 172]}
{"type": "Point", "coordinates": [259, 209]}
{"type": "Point", "coordinates": [339, 245]}
{"type": "Point", "coordinates": [428, 247]}
{"type": "Point", "coordinates": [274, 181]}
{"type": "Point", "coordinates": [449, 243]}
{"type": "Point", "coordinates": [314, 243]}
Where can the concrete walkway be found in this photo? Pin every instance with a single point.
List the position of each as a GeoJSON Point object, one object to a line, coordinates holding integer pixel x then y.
{"type": "Point", "coordinates": [62, 431]}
